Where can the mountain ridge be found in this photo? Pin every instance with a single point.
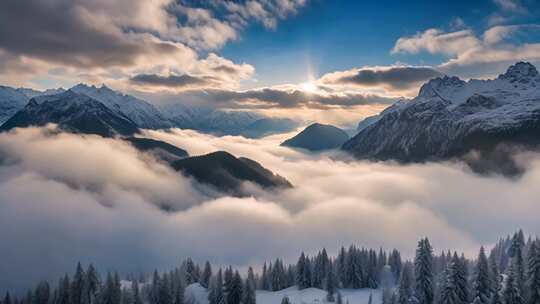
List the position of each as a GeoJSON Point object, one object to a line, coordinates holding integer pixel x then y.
{"type": "Point", "coordinates": [451, 118]}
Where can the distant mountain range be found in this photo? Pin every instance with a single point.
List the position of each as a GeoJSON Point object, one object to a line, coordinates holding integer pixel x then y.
{"type": "Point", "coordinates": [317, 137]}
{"type": "Point", "coordinates": [480, 121]}
{"type": "Point", "coordinates": [148, 116]}
{"type": "Point", "coordinates": [72, 112]}
{"type": "Point", "coordinates": [101, 111]}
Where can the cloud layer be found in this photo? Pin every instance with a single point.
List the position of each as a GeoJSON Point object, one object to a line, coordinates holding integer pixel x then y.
{"type": "Point", "coordinates": [67, 198]}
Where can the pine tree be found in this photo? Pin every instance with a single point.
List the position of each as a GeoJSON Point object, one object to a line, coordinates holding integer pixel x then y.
{"type": "Point", "coordinates": [215, 295]}
{"type": "Point", "coordinates": [153, 296]}
{"type": "Point", "coordinates": [482, 283]}
{"type": "Point", "coordinates": [331, 284]}
{"type": "Point", "coordinates": [235, 292]}
{"type": "Point", "coordinates": [405, 285]}
{"type": "Point", "coordinates": [516, 253]}
{"type": "Point", "coordinates": [190, 271]}
{"type": "Point", "coordinates": [512, 292]}
{"type": "Point", "coordinates": [136, 292]}
{"type": "Point", "coordinates": [63, 296]}
{"type": "Point", "coordinates": [249, 288]}
{"type": "Point", "coordinates": [454, 291]}
{"type": "Point", "coordinates": [164, 293]}
{"type": "Point", "coordinates": [423, 264]}
{"type": "Point", "coordinates": [42, 293]}
{"type": "Point", "coordinates": [533, 274]}
{"type": "Point", "coordinates": [370, 300]}
{"type": "Point", "coordinates": [354, 276]}
{"type": "Point", "coordinates": [77, 285]}
{"type": "Point", "coordinates": [394, 260]}
{"type": "Point", "coordinates": [285, 300]}
{"type": "Point", "coordinates": [206, 275]}
{"type": "Point", "coordinates": [91, 285]}
{"type": "Point", "coordinates": [7, 299]}
{"type": "Point", "coordinates": [303, 272]}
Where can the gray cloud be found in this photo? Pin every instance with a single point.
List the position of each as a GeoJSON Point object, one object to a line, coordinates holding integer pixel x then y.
{"type": "Point", "coordinates": [60, 32]}
{"type": "Point", "coordinates": [398, 77]}
{"type": "Point", "coordinates": [99, 205]}
{"type": "Point", "coordinates": [173, 81]}
{"type": "Point", "coordinates": [268, 98]}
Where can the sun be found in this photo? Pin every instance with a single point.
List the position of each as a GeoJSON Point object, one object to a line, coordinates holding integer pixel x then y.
{"type": "Point", "coordinates": [309, 87]}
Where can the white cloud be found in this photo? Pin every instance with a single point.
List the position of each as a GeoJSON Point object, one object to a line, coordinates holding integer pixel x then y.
{"type": "Point", "coordinates": [464, 49]}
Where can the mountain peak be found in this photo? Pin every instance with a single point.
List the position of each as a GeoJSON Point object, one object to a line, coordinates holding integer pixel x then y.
{"type": "Point", "coordinates": [521, 71]}
{"type": "Point", "coordinates": [432, 87]}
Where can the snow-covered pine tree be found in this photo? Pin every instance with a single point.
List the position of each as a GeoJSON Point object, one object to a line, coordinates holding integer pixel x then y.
{"type": "Point", "coordinates": [370, 300]}
{"type": "Point", "coordinates": [423, 271]}
{"type": "Point", "coordinates": [517, 259]}
{"type": "Point", "coordinates": [341, 267]}
{"type": "Point", "coordinates": [227, 279]}
{"type": "Point", "coordinates": [285, 300]}
{"type": "Point", "coordinates": [92, 285]}
{"type": "Point", "coordinates": [165, 294]}
{"type": "Point", "coordinates": [533, 273]}
{"type": "Point", "coordinates": [206, 274]}
{"type": "Point", "coordinates": [354, 277]}
{"type": "Point", "coordinates": [190, 271]}
{"type": "Point", "coordinates": [512, 292]}
{"type": "Point", "coordinates": [331, 284]}
{"type": "Point", "coordinates": [135, 292]}
{"type": "Point", "coordinates": [153, 295]}
{"type": "Point", "coordinates": [405, 290]}
{"type": "Point", "coordinates": [236, 290]}
{"type": "Point", "coordinates": [215, 295]}
{"type": "Point", "coordinates": [394, 260]}
{"type": "Point", "coordinates": [482, 282]}
{"type": "Point", "coordinates": [249, 288]}
{"type": "Point", "coordinates": [303, 272]}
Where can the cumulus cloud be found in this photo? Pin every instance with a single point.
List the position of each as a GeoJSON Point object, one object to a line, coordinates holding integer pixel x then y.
{"type": "Point", "coordinates": [266, 12]}
{"type": "Point", "coordinates": [393, 79]}
{"type": "Point", "coordinates": [67, 198]}
{"type": "Point", "coordinates": [114, 41]}
{"type": "Point", "coordinates": [468, 53]}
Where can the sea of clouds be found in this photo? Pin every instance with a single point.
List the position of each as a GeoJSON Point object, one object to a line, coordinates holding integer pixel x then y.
{"type": "Point", "coordinates": [66, 198]}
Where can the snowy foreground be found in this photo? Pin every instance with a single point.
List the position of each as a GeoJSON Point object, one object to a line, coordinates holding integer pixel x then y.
{"type": "Point", "coordinates": [197, 294]}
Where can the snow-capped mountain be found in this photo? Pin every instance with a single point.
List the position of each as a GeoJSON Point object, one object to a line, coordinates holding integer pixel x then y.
{"type": "Point", "coordinates": [11, 101]}
{"type": "Point", "coordinates": [451, 117]}
{"type": "Point", "coordinates": [144, 114]}
{"type": "Point", "coordinates": [14, 99]}
{"type": "Point", "coordinates": [72, 112]}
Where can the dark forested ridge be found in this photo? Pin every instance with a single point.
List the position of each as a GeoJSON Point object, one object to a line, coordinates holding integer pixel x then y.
{"type": "Point", "coordinates": [508, 274]}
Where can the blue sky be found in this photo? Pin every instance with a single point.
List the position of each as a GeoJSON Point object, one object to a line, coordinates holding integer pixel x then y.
{"type": "Point", "coordinates": [338, 35]}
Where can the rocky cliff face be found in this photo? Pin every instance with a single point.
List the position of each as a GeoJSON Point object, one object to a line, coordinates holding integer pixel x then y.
{"type": "Point", "coordinates": [453, 118]}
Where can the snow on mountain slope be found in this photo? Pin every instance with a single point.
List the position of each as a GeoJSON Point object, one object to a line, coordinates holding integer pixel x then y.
{"type": "Point", "coordinates": [144, 114]}
{"type": "Point", "coordinates": [451, 117]}
{"type": "Point", "coordinates": [11, 101]}
{"type": "Point", "coordinates": [199, 295]}
{"type": "Point", "coordinates": [71, 112]}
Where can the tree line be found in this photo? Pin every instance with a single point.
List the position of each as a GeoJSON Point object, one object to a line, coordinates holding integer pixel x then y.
{"type": "Point", "coordinates": [509, 274]}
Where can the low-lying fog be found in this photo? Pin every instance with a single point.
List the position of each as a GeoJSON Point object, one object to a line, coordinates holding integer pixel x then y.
{"type": "Point", "coordinates": [66, 198]}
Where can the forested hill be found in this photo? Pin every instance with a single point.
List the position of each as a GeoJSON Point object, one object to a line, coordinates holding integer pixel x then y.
{"type": "Point", "coordinates": [508, 274]}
